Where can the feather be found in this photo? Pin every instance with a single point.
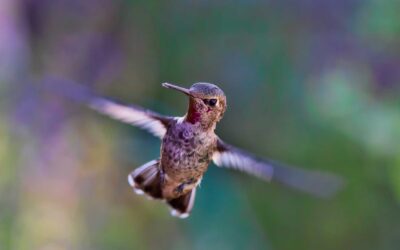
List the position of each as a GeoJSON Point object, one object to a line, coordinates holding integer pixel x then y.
{"type": "Point", "coordinates": [131, 114]}
{"type": "Point", "coordinates": [317, 183]}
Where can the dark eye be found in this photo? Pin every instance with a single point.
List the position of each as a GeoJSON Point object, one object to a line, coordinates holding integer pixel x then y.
{"type": "Point", "coordinates": [212, 102]}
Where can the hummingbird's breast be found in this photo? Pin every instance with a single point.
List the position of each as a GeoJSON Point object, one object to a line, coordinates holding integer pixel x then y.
{"type": "Point", "coordinates": [186, 152]}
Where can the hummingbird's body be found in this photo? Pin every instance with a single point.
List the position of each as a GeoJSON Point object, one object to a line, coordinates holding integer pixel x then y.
{"type": "Point", "coordinates": [186, 152]}
{"type": "Point", "coordinates": [187, 149]}
{"type": "Point", "coordinates": [188, 146]}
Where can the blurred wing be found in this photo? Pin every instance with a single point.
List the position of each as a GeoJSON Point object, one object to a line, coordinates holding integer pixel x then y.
{"type": "Point", "coordinates": [313, 182]}
{"type": "Point", "coordinates": [148, 120]}
{"type": "Point", "coordinates": [131, 114]}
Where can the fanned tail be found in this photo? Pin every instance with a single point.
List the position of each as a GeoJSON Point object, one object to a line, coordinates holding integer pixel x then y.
{"type": "Point", "coordinates": [148, 179]}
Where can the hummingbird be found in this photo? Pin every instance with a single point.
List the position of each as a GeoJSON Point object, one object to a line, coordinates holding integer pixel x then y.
{"type": "Point", "coordinates": [190, 144]}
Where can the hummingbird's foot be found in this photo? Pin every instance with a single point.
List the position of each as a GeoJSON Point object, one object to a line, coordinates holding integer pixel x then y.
{"type": "Point", "coordinates": [179, 189]}
{"type": "Point", "coordinates": [185, 186]}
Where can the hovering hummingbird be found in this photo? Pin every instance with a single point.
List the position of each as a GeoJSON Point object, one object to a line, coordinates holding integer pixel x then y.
{"type": "Point", "coordinates": [189, 144]}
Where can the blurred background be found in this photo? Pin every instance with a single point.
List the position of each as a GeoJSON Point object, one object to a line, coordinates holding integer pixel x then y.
{"type": "Point", "coordinates": [310, 83]}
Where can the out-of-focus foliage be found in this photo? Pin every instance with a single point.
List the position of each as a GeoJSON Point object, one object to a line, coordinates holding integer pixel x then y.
{"type": "Point", "coordinates": [311, 83]}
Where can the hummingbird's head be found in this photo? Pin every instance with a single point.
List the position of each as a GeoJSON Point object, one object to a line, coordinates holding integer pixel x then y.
{"type": "Point", "coordinates": [207, 103]}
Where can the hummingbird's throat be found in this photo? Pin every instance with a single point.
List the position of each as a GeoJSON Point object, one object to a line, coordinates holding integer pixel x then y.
{"type": "Point", "coordinates": [193, 116]}
{"type": "Point", "coordinates": [200, 114]}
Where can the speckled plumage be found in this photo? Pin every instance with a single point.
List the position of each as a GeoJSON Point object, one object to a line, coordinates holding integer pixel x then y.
{"type": "Point", "coordinates": [186, 152]}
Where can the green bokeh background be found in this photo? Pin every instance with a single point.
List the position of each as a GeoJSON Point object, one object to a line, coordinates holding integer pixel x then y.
{"type": "Point", "coordinates": [310, 83]}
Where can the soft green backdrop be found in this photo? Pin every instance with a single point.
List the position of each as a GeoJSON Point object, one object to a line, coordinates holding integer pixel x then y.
{"type": "Point", "coordinates": [310, 83]}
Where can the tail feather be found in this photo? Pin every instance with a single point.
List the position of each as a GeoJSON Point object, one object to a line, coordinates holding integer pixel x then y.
{"type": "Point", "coordinates": [147, 180]}
{"type": "Point", "coordinates": [182, 206]}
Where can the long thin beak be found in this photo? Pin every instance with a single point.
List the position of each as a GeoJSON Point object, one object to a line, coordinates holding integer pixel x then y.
{"type": "Point", "coordinates": [171, 86]}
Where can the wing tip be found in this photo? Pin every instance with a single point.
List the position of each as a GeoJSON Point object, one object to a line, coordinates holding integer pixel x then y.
{"type": "Point", "coordinates": [67, 88]}
{"type": "Point", "coordinates": [318, 184]}
{"type": "Point", "coordinates": [333, 185]}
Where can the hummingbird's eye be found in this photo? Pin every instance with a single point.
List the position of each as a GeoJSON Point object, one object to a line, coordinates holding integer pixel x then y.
{"type": "Point", "coordinates": [212, 102]}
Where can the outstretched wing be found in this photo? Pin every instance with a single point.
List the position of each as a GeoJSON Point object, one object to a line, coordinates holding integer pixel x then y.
{"type": "Point", "coordinates": [313, 182]}
{"type": "Point", "coordinates": [131, 114]}
{"type": "Point", "coordinates": [134, 115]}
